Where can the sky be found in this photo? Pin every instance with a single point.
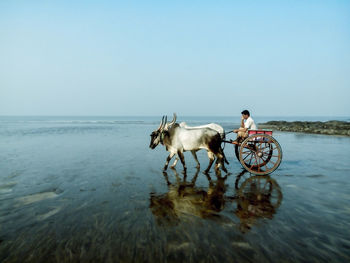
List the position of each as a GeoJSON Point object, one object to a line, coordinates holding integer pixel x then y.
{"type": "Point", "coordinates": [198, 58]}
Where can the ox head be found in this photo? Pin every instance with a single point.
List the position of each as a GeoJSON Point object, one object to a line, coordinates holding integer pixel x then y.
{"type": "Point", "coordinates": [158, 134]}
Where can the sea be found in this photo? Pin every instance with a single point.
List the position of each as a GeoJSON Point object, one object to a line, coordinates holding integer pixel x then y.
{"type": "Point", "coordinates": [89, 189]}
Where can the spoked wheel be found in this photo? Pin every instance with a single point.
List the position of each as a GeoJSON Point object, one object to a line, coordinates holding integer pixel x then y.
{"type": "Point", "coordinates": [237, 147]}
{"type": "Point", "coordinates": [254, 166]}
{"type": "Point", "coordinates": [260, 154]}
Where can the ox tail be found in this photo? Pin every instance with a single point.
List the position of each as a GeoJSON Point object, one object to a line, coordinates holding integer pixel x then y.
{"type": "Point", "coordinates": [222, 136]}
{"type": "Point", "coordinates": [215, 146]}
{"type": "Point", "coordinates": [223, 154]}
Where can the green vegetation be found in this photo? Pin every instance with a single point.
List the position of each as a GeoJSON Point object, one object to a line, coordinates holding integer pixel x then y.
{"type": "Point", "coordinates": [317, 127]}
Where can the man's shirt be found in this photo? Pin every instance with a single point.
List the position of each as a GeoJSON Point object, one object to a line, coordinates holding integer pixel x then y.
{"type": "Point", "coordinates": [250, 124]}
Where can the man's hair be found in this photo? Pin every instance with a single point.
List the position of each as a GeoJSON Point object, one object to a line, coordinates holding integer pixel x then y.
{"type": "Point", "coordinates": [246, 112]}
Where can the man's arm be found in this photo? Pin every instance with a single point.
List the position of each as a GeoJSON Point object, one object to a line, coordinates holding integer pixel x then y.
{"type": "Point", "coordinates": [242, 128]}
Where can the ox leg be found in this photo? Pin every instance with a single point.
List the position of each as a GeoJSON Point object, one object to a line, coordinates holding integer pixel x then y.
{"type": "Point", "coordinates": [220, 162]}
{"type": "Point", "coordinates": [182, 158]}
{"type": "Point", "coordinates": [223, 158]}
{"type": "Point", "coordinates": [175, 162]}
{"type": "Point", "coordinates": [195, 157]}
{"type": "Point", "coordinates": [223, 166]}
{"type": "Point", "coordinates": [171, 155]}
{"type": "Point", "coordinates": [211, 160]}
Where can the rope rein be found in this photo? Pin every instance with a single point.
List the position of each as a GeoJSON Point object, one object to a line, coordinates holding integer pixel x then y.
{"type": "Point", "coordinates": [228, 132]}
{"type": "Point", "coordinates": [225, 133]}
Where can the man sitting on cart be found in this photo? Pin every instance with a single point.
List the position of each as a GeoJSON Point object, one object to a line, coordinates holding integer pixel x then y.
{"type": "Point", "coordinates": [247, 123]}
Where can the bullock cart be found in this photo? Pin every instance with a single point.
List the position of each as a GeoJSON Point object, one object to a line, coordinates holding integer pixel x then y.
{"type": "Point", "coordinates": [259, 153]}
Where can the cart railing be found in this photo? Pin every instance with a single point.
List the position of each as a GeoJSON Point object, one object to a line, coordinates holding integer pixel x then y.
{"type": "Point", "coordinates": [258, 138]}
{"type": "Point", "coordinates": [268, 132]}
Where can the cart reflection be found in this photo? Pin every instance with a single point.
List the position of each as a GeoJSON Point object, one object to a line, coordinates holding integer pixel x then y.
{"type": "Point", "coordinates": [257, 197]}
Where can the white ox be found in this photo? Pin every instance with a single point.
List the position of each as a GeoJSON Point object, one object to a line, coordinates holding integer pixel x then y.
{"type": "Point", "coordinates": [179, 139]}
{"type": "Point", "coordinates": [214, 126]}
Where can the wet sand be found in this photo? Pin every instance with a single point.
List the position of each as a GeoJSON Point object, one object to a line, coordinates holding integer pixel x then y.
{"type": "Point", "coordinates": [95, 192]}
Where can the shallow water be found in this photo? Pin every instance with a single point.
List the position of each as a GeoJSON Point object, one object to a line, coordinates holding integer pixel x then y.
{"type": "Point", "coordinates": [90, 190]}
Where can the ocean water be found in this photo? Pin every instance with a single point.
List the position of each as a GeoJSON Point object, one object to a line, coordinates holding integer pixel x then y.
{"type": "Point", "coordinates": [89, 189]}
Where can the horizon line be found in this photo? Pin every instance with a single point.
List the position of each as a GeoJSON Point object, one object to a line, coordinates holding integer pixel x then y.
{"type": "Point", "coordinates": [54, 115]}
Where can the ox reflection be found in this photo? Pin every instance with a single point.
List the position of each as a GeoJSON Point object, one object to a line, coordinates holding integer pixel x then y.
{"type": "Point", "coordinates": [255, 197]}
{"type": "Point", "coordinates": [185, 199]}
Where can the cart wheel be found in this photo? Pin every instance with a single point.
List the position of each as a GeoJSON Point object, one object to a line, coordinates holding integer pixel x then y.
{"type": "Point", "coordinates": [260, 154]}
{"type": "Point", "coordinates": [254, 166]}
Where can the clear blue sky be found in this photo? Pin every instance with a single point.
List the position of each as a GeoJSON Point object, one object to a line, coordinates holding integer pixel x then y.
{"type": "Point", "coordinates": [189, 57]}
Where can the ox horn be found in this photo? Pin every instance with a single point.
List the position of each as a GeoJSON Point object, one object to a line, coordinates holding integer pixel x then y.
{"type": "Point", "coordinates": [174, 119]}
{"type": "Point", "coordinates": [161, 123]}
{"type": "Point", "coordinates": [164, 124]}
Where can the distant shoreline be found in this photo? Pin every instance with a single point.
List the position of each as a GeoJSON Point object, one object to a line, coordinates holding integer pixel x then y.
{"type": "Point", "coordinates": [313, 127]}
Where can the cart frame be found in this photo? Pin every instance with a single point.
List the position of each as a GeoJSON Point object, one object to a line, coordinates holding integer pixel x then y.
{"type": "Point", "coordinates": [259, 153]}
